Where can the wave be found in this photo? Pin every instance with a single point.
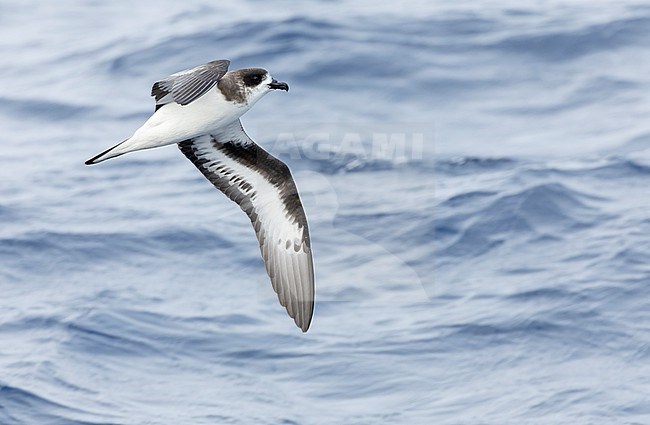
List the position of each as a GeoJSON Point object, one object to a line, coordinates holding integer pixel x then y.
{"type": "Point", "coordinates": [611, 167]}
{"type": "Point", "coordinates": [41, 109]}
{"type": "Point", "coordinates": [19, 406]}
{"type": "Point", "coordinates": [42, 250]}
{"type": "Point", "coordinates": [571, 43]}
{"type": "Point", "coordinates": [551, 210]}
{"type": "Point", "coordinates": [263, 40]}
{"type": "Point", "coordinates": [472, 164]}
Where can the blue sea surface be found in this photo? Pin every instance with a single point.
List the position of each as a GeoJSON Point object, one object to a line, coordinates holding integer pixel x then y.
{"type": "Point", "coordinates": [476, 176]}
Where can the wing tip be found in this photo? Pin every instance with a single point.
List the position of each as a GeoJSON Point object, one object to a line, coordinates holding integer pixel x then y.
{"type": "Point", "coordinates": [308, 314]}
{"type": "Point", "coordinates": [304, 327]}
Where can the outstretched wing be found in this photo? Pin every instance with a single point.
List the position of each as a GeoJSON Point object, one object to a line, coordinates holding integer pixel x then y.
{"type": "Point", "coordinates": [186, 86]}
{"type": "Point", "coordinates": [264, 189]}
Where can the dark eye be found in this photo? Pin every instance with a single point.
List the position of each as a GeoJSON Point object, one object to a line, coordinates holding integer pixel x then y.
{"type": "Point", "coordinates": [253, 79]}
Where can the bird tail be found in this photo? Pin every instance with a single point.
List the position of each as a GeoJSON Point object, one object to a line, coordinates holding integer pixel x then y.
{"type": "Point", "coordinates": [117, 150]}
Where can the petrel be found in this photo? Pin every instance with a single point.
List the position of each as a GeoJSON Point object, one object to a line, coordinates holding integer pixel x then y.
{"type": "Point", "coordinates": [199, 110]}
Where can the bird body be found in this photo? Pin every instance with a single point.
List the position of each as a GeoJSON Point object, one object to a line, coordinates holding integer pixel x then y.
{"type": "Point", "coordinates": [199, 109]}
{"type": "Point", "coordinates": [174, 123]}
{"type": "Point", "coordinates": [207, 112]}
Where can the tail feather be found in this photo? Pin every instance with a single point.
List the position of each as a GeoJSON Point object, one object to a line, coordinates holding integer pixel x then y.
{"type": "Point", "coordinates": [107, 154]}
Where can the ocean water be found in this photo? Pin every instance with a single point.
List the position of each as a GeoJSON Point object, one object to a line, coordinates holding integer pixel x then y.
{"type": "Point", "coordinates": [476, 176]}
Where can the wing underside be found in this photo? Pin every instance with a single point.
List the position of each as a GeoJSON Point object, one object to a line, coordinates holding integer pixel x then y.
{"type": "Point", "coordinates": [264, 189]}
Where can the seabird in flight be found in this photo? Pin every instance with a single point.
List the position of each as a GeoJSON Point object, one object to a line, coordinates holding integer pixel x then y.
{"type": "Point", "coordinates": [199, 110]}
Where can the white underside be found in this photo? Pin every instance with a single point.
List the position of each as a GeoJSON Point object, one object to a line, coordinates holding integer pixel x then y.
{"type": "Point", "coordinates": [174, 123]}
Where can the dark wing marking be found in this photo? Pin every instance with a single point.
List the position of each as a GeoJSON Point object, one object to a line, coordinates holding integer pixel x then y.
{"type": "Point", "coordinates": [186, 86]}
{"type": "Point", "coordinates": [264, 189]}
